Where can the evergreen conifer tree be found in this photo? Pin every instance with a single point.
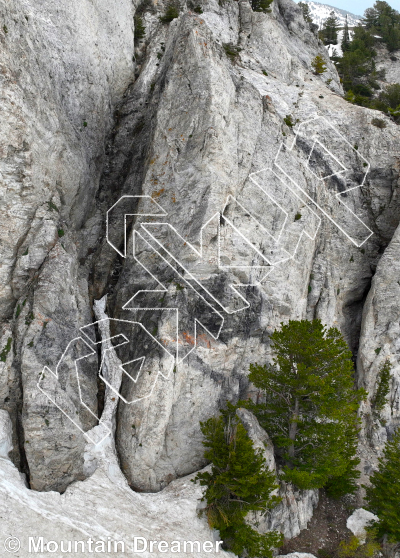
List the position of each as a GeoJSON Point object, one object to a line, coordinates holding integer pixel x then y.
{"type": "Point", "coordinates": [306, 12]}
{"type": "Point", "coordinates": [310, 405]}
{"type": "Point", "coordinates": [237, 484]}
{"type": "Point", "coordinates": [384, 21]}
{"type": "Point", "coordinates": [318, 65]}
{"type": "Point", "coordinates": [379, 401]}
{"type": "Point", "coordinates": [383, 496]}
{"type": "Point", "coordinates": [391, 95]}
{"type": "Point", "coordinates": [346, 37]}
{"type": "Point", "coordinates": [370, 18]}
{"type": "Point", "coordinates": [140, 29]}
{"type": "Point", "coordinates": [261, 5]}
{"type": "Point", "coordinates": [357, 68]}
{"type": "Point", "coordinates": [330, 29]}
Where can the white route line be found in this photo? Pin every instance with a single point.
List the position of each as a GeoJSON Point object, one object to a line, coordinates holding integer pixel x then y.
{"type": "Point", "coordinates": [253, 176]}
{"type": "Point", "coordinates": [263, 256]}
{"type": "Point", "coordinates": [105, 380]}
{"type": "Point", "coordinates": [46, 369]}
{"type": "Point", "coordinates": [189, 276]}
{"type": "Point", "coordinates": [339, 194]}
{"type": "Point", "coordinates": [147, 198]}
{"type": "Point", "coordinates": [165, 291]}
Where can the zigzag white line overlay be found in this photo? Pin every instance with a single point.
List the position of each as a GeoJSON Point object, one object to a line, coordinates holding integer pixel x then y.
{"type": "Point", "coordinates": [147, 207]}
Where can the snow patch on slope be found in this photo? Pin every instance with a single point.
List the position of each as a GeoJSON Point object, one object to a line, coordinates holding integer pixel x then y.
{"type": "Point", "coordinates": [320, 12]}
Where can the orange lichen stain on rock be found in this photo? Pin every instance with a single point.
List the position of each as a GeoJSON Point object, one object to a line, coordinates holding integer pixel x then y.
{"type": "Point", "coordinates": [173, 197]}
{"type": "Point", "coordinates": [152, 161]}
{"type": "Point", "coordinates": [42, 321]}
{"type": "Point", "coordinates": [192, 341]}
{"type": "Point", "coordinates": [205, 340]}
{"type": "Point", "coordinates": [189, 338]}
{"type": "Point", "coordinates": [157, 194]}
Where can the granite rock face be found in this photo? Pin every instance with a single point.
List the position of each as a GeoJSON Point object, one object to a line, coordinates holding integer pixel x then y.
{"type": "Point", "coordinates": [380, 334]}
{"type": "Point", "coordinates": [102, 508]}
{"type": "Point", "coordinates": [234, 230]}
{"type": "Point", "coordinates": [261, 440]}
{"type": "Point", "coordinates": [358, 521]}
{"type": "Point", "coordinates": [390, 63]}
{"type": "Point", "coordinates": [6, 435]}
{"type": "Point", "coordinates": [293, 513]}
{"type": "Point", "coordinates": [64, 67]}
{"type": "Point", "coordinates": [296, 507]}
{"type": "Point", "coordinates": [207, 122]}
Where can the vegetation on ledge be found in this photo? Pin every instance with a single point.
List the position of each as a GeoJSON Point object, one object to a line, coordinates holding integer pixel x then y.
{"type": "Point", "coordinates": [308, 405]}
{"type": "Point", "coordinates": [237, 484]}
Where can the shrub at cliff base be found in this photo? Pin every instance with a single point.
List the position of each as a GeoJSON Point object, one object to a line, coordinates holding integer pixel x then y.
{"type": "Point", "coordinates": [383, 496]}
{"type": "Point", "coordinates": [308, 405]}
{"type": "Point", "coordinates": [237, 484]}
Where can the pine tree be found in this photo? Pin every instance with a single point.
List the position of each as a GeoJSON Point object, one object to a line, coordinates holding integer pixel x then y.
{"type": "Point", "coordinates": [346, 37]}
{"type": "Point", "coordinates": [379, 400]}
{"type": "Point", "coordinates": [330, 29]}
{"type": "Point", "coordinates": [357, 68]}
{"type": "Point", "coordinates": [171, 12]}
{"type": "Point", "coordinates": [358, 62]}
{"type": "Point", "coordinates": [140, 29]}
{"type": "Point", "coordinates": [383, 496]}
{"type": "Point", "coordinates": [238, 483]}
{"type": "Point", "coordinates": [391, 95]}
{"type": "Point", "coordinates": [318, 65]}
{"type": "Point", "coordinates": [261, 5]}
{"type": "Point", "coordinates": [310, 405]}
{"type": "Point", "coordinates": [370, 18]}
{"type": "Point", "coordinates": [306, 12]}
{"type": "Point", "coordinates": [384, 21]}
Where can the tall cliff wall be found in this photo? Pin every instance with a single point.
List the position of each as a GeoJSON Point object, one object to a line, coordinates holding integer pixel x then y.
{"type": "Point", "coordinates": [191, 120]}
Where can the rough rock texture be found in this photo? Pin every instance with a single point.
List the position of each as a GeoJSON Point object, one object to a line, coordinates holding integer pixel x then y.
{"type": "Point", "coordinates": [258, 436]}
{"type": "Point", "coordinates": [380, 335]}
{"type": "Point", "coordinates": [186, 123]}
{"type": "Point", "coordinates": [191, 144]}
{"type": "Point", "coordinates": [225, 122]}
{"type": "Point", "coordinates": [83, 511]}
{"type": "Point", "coordinates": [295, 510]}
{"type": "Point", "coordinates": [6, 435]}
{"type": "Point", "coordinates": [390, 62]}
{"type": "Point", "coordinates": [293, 513]}
{"type": "Point", "coordinates": [358, 521]}
{"type": "Point", "coordinates": [63, 68]}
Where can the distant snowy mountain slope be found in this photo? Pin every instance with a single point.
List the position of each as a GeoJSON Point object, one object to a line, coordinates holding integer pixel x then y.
{"type": "Point", "coordinates": [320, 12]}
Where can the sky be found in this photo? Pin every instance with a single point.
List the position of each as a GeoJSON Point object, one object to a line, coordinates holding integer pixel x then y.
{"type": "Point", "coordinates": [356, 7]}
